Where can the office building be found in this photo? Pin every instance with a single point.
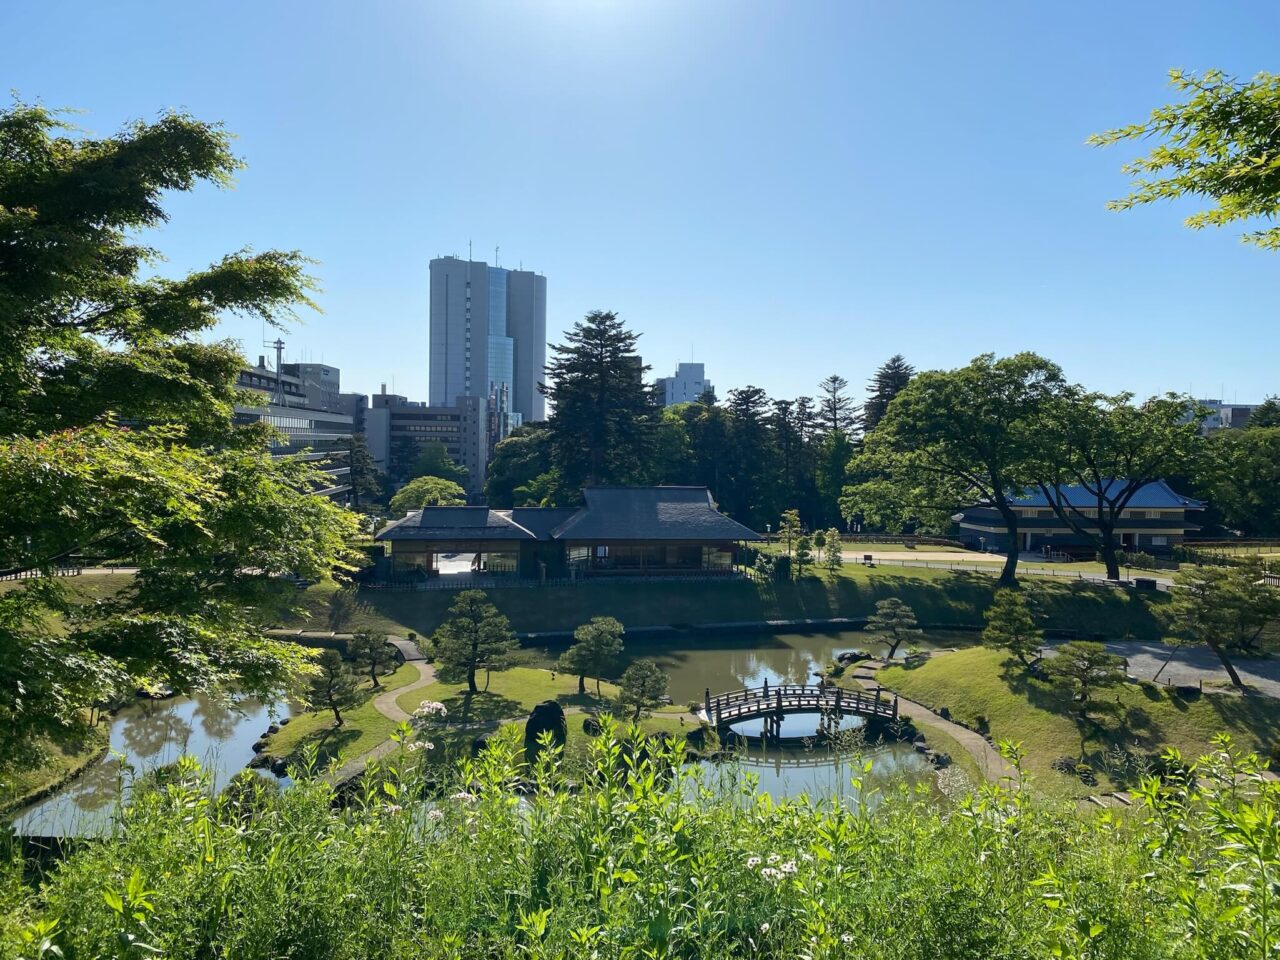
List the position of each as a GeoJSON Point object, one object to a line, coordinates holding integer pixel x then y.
{"type": "Point", "coordinates": [488, 338]}
{"type": "Point", "coordinates": [305, 430]}
{"type": "Point", "coordinates": [320, 383]}
{"type": "Point", "coordinates": [397, 428]}
{"type": "Point", "coordinates": [1226, 416]}
{"type": "Point", "coordinates": [687, 385]}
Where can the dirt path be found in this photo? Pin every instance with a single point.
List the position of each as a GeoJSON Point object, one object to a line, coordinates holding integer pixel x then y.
{"type": "Point", "coordinates": [993, 766]}
{"type": "Point", "coordinates": [385, 704]}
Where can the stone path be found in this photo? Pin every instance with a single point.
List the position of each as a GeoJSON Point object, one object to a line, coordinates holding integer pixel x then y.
{"type": "Point", "coordinates": [1190, 665]}
{"type": "Point", "coordinates": [993, 766]}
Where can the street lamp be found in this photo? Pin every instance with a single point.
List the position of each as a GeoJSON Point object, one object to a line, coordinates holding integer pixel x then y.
{"type": "Point", "coordinates": [982, 544]}
{"type": "Point", "coordinates": [768, 529]}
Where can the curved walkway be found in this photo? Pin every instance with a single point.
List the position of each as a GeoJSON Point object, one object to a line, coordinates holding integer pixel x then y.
{"type": "Point", "coordinates": [993, 766]}
{"type": "Point", "coordinates": [385, 704]}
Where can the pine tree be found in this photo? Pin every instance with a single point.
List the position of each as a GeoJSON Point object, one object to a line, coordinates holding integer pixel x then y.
{"type": "Point", "coordinates": [883, 387]}
{"type": "Point", "coordinates": [896, 621]}
{"type": "Point", "coordinates": [1010, 625]}
{"type": "Point", "coordinates": [602, 412]}
{"type": "Point", "coordinates": [334, 686]}
{"type": "Point", "coordinates": [837, 410]}
{"type": "Point", "coordinates": [789, 528]}
{"type": "Point", "coordinates": [371, 650]}
{"type": "Point", "coordinates": [643, 685]}
{"type": "Point", "coordinates": [475, 635]}
{"type": "Point", "coordinates": [804, 554]}
{"type": "Point", "coordinates": [596, 646]}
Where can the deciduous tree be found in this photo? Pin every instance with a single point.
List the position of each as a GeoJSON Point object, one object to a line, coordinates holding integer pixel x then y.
{"type": "Point", "coordinates": [427, 492]}
{"type": "Point", "coordinates": [954, 439]}
{"type": "Point", "coordinates": [1220, 145]}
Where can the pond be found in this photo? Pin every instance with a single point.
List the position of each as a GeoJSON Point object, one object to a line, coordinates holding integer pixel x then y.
{"type": "Point", "coordinates": [722, 662]}
{"type": "Point", "coordinates": [150, 734]}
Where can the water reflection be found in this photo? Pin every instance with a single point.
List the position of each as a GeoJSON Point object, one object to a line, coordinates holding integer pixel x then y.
{"type": "Point", "coordinates": [150, 734]}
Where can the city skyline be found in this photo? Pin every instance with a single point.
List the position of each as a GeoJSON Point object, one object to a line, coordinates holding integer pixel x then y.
{"type": "Point", "coordinates": [779, 192]}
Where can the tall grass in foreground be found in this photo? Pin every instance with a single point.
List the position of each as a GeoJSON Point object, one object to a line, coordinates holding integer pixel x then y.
{"type": "Point", "coordinates": [640, 861]}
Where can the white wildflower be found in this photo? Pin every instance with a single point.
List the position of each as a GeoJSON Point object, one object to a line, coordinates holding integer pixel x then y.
{"type": "Point", "coordinates": [394, 808]}
{"type": "Point", "coordinates": [764, 927]}
{"type": "Point", "coordinates": [463, 796]}
{"type": "Point", "coordinates": [435, 816]}
{"type": "Point", "coordinates": [753, 862]}
{"type": "Point", "coordinates": [846, 938]}
{"type": "Point", "coordinates": [789, 867]}
{"type": "Point", "coordinates": [774, 858]}
{"type": "Point", "coordinates": [430, 708]}
{"type": "Point", "coordinates": [768, 873]}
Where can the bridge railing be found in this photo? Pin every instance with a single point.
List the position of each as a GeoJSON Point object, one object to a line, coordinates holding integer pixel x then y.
{"type": "Point", "coordinates": [794, 697]}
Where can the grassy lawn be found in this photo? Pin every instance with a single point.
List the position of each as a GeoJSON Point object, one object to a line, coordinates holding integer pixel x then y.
{"type": "Point", "coordinates": [61, 763]}
{"type": "Point", "coordinates": [362, 730]}
{"type": "Point", "coordinates": [981, 683]}
{"type": "Point", "coordinates": [509, 693]}
{"type": "Point", "coordinates": [941, 598]}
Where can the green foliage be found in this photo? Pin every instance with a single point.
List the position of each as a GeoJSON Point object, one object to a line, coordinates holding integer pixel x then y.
{"type": "Point", "coordinates": [372, 651]}
{"type": "Point", "coordinates": [895, 621]}
{"type": "Point", "coordinates": [602, 413]}
{"type": "Point", "coordinates": [344, 606]}
{"type": "Point", "coordinates": [333, 686]}
{"type": "Point", "coordinates": [193, 499]}
{"type": "Point", "coordinates": [1111, 449]}
{"type": "Point", "coordinates": [368, 486]}
{"type": "Point", "coordinates": [642, 686]}
{"type": "Point", "coordinates": [516, 466]}
{"type": "Point", "coordinates": [803, 556]}
{"type": "Point", "coordinates": [888, 381]}
{"type": "Point", "coordinates": [433, 460]}
{"type": "Point", "coordinates": [1266, 414]}
{"type": "Point", "coordinates": [952, 439]}
{"type": "Point", "coordinates": [1010, 625]}
{"type": "Point", "coordinates": [832, 552]}
{"type": "Point", "coordinates": [789, 528]}
{"type": "Point", "coordinates": [427, 492]}
{"type": "Point", "coordinates": [836, 411]}
{"type": "Point", "coordinates": [1226, 608]}
{"type": "Point", "coordinates": [596, 648]}
{"type": "Point", "coordinates": [1221, 144]}
{"type": "Point", "coordinates": [1080, 667]}
{"type": "Point", "coordinates": [604, 870]}
{"type": "Point", "coordinates": [475, 635]}
{"type": "Point", "coordinates": [1240, 477]}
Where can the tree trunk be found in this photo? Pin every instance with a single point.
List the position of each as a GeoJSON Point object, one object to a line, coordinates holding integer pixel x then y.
{"type": "Point", "coordinates": [1107, 547]}
{"type": "Point", "coordinates": [635, 717]}
{"type": "Point", "coordinates": [1230, 668]}
{"type": "Point", "coordinates": [337, 717]}
{"type": "Point", "coordinates": [893, 649]}
{"type": "Point", "coordinates": [582, 683]}
{"type": "Point", "coordinates": [471, 679]}
{"type": "Point", "coordinates": [373, 674]}
{"type": "Point", "coordinates": [1009, 574]}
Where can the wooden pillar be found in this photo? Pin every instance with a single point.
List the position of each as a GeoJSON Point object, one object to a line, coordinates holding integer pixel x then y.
{"type": "Point", "coordinates": [707, 701]}
{"type": "Point", "coordinates": [766, 686]}
{"type": "Point", "coordinates": [895, 706]}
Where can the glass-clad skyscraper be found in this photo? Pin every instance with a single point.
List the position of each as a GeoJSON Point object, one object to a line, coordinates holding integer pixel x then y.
{"type": "Point", "coordinates": [488, 337]}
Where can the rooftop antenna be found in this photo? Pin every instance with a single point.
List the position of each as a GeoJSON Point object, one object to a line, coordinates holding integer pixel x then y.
{"type": "Point", "coordinates": [495, 256]}
{"type": "Point", "coordinates": [278, 397]}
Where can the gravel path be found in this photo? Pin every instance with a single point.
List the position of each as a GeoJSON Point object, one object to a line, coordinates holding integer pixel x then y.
{"type": "Point", "coordinates": [385, 704]}
{"type": "Point", "coordinates": [1191, 665]}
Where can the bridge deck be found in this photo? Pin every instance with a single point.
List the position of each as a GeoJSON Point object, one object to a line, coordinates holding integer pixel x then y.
{"type": "Point", "coordinates": [778, 700]}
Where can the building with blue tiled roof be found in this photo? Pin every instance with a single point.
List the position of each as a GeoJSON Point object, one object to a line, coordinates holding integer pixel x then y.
{"type": "Point", "coordinates": [1156, 519]}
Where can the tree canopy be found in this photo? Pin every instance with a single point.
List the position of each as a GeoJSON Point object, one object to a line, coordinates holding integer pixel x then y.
{"type": "Point", "coordinates": [1221, 144]}
{"type": "Point", "coordinates": [475, 635]}
{"type": "Point", "coordinates": [426, 492]}
{"type": "Point", "coordinates": [118, 437]}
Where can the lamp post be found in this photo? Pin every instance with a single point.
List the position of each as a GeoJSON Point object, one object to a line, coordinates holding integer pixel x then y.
{"type": "Point", "coordinates": [768, 540]}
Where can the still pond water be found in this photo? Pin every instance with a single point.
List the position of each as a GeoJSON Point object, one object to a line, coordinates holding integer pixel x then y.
{"type": "Point", "coordinates": [150, 734]}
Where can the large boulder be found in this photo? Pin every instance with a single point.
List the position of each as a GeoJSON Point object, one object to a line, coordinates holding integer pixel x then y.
{"type": "Point", "coordinates": [591, 726]}
{"type": "Point", "coordinates": [547, 716]}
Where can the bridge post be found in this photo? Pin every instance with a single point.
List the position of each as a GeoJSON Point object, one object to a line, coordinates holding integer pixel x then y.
{"type": "Point", "coordinates": [707, 702]}
{"type": "Point", "coordinates": [895, 706]}
{"type": "Point", "coordinates": [839, 701]}
{"type": "Point", "coordinates": [766, 686]}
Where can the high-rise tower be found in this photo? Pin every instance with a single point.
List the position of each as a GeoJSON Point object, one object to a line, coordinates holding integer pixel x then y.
{"type": "Point", "coordinates": [488, 335]}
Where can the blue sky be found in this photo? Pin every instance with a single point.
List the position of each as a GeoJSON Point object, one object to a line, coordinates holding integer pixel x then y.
{"type": "Point", "coordinates": [780, 190]}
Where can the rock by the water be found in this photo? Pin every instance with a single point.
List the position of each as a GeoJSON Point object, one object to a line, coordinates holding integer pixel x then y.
{"type": "Point", "coordinates": [852, 656]}
{"type": "Point", "coordinates": [940, 760]}
{"type": "Point", "coordinates": [274, 728]}
{"type": "Point", "coordinates": [279, 766]}
{"type": "Point", "coordinates": [547, 716]}
{"type": "Point", "coordinates": [284, 720]}
{"type": "Point", "coordinates": [259, 761]}
{"type": "Point", "coordinates": [259, 746]}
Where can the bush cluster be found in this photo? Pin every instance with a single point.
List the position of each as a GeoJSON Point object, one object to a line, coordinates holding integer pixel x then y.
{"type": "Point", "coordinates": [647, 857]}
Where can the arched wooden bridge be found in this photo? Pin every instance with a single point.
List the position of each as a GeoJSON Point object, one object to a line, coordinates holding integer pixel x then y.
{"type": "Point", "coordinates": [772, 703]}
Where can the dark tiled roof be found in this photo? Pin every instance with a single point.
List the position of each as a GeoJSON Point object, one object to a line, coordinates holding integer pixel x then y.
{"type": "Point", "coordinates": [540, 521]}
{"type": "Point", "coordinates": [455, 523]}
{"type": "Point", "coordinates": [651, 513]}
{"type": "Point", "coordinates": [1156, 496]}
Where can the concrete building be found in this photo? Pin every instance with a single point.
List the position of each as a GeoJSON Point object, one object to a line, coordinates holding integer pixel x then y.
{"type": "Point", "coordinates": [320, 383]}
{"type": "Point", "coordinates": [307, 431]}
{"type": "Point", "coordinates": [687, 385]}
{"type": "Point", "coordinates": [488, 336]}
{"type": "Point", "coordinates": [1226, 416]}
{"type": "Point", "coordinates": [394, 425]}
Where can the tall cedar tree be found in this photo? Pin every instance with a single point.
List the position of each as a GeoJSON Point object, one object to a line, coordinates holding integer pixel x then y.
{"type": "Point", "coordinates": [887, 383]}
{"type": "Point", "coordinates": [838, 413]}
{"type": "Point", "coordinates": [192, 499]}
{"type": "Point", "coordinates": [474, 635]}
{"type": "Point", "coordinates": [602, 412]}
{"type": "Point", "coordinates": [368, 486]}
{"type": "Point", "coordinates": [955, 439]}
{"type": "Point", "coordinates": [1110, 450]}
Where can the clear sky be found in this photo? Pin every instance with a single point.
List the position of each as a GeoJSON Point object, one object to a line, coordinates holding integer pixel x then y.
{"type": "Point", "coordinates": [781, 190]}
